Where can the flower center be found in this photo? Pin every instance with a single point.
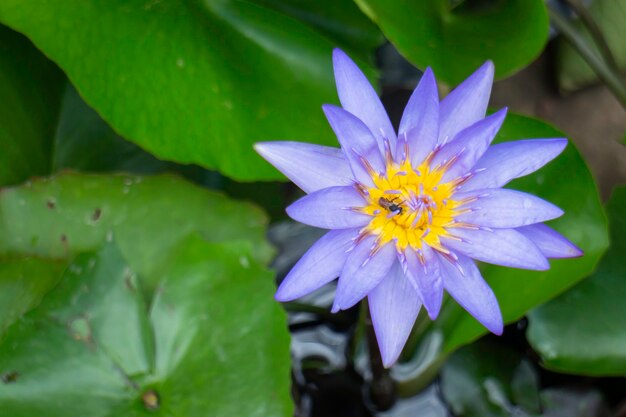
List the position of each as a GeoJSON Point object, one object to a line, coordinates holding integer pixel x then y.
{"type": "Point", "coordinates": [411, 206]}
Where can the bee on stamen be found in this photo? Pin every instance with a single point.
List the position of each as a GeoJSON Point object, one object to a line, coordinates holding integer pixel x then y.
{"type": "Point", "coordinates": [393, 207]}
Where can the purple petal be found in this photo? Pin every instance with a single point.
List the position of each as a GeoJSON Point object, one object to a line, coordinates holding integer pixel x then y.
{"type": "Point", "coordinates": [505, 247]}
{"type": "Point", "coordinates": [466, 104]}
{"type": "Point", "coordinates": [359, 98]}
{"type": "Point", "coordinates": [394, 306]}
{"type": "Point", "coordinates": [469, 145]}
{"type": "Point", "coordinates": [320, 264]}
{"type": "Point", "coordinates": [420, 120]}
{"type": "Point", "coordinates": [506, 208]}
{"type": "Point", "coordinates": [330, 208]}
{"type": "Point", "coordinates": [362, 272]}
{"type": "Point", "coordinates": [506, 161]}
{"type": "Point", "coordinates": [310, 167]}
{"type": "Point", "coordinates": [470, 290]}
{"type": "Point", "coordinates": [427, 279]}
{"type": "Point", "coordinates": [550, 242]}
{"type": "Point", "coordinates": [356, 142]}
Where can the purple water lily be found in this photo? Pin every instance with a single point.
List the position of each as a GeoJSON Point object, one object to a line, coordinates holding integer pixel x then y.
{"type": "Point", "coordinates": [408, 213]}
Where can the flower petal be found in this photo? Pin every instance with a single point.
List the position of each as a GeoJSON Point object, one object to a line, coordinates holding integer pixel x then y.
{"type": "Point", "coordinates": [310, 167]}
{"type": "Point", "coordinates": [394, 306]}
{"type": "Point", "coordinates": [330, 208]}
{"type": "Point", "coordinates": [426, 278]}
{"type": "Point", "coordinates": [420, 120]}
{"type": "Point", "coordinates": [321, 264]}
{"type": "Point", "coordinates": [356, 142]}
{"type": "Point", "coordinates": [357, 96]}
{"type": "Point", "coordinates": [550, 242]}
{"type": "Point", "coordinates": [466, 104]}
{"type": "Point", "coordinates": [470, 144]}
{"type": "Point", "coordinates": [505, 247]}
{"type": "Point", "coordinates": [506, 161]}
{"type": "Point", "coordinates": [469, 289]}
{"type": "Point", "coordinates": [362, 272]}
{"type": "Point", "coordinates": [506, 208]}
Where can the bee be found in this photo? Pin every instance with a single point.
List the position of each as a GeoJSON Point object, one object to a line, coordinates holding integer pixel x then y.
{"type": "Point", "coordinates": [393, 207]}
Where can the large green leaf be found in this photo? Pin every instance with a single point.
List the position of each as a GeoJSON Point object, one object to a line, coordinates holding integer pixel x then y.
{"type": "Point", "coordinates": [211, 342]}
{"type": "Point", "coordinates": [149, 216]}
{"type": "Point", "coordinates": [193, 82]}
{"type": "Point", "coordinates": [610, 15]}
{"type": "Point", "coordinates": [454, 41]}
{"type": "Point", "coordinates": [23, 282]}
{"type": "Point", "coordinates": [83, 141]}
{"type": "Point", "coordinates": [583, 330]}
{"type": "Point", "coordinates": [30, 92]}
{"type": "Point", "coordinates": [487, 380]}
{"type": "Point", "coordinates": [567, 182]}
{"type": "Point", "coordinates": [337, 19]}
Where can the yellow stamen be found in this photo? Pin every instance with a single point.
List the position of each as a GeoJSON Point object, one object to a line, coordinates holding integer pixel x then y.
{"type": "Point", "coordinates": [411, 206]}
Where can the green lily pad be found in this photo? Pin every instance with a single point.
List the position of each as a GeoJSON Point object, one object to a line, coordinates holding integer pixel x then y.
{"type": "Point", "coordinates": [610, 16]}
{"type": "Point", "coordinates": [72, 213]}
{"type": "Point", "coordinates": [23, 283]}
{"type": "Point", "coordinates": [455, 41]}
{"type": "Point", "coordinates": [583, 330]}
{"type": "Point", "coordinates": [30, 92]}
{"type": "Point", "coordinates": [209, 339]}
{"type": "Point", "coordinates": [566, 182]}
{"type": "Point", "coordinates": [340, 20]}
{"type": "Point", "coordinates": [83, 141]}
{"type": "Point", "coordinates": [487, 380]}
{"type": "Point", "coordinates": [196, 82]}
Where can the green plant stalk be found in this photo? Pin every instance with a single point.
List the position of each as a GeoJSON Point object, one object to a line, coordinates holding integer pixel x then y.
{"type": "Point", "coordinates": [382, 386]}
{"type": "Point", "coordinates": [596, 33]}
{"type": "Point", "coordinates": [601, 68]}
{"type": "Point", "coordinates": [358, 335]}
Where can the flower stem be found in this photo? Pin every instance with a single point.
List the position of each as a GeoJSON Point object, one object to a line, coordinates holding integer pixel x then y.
{"type": "Point", "coordinates": [357, 336]}
{"type": "Point", "coordinates": [602, 69]}
{"type": "Point", "coordinates": [382, 387]}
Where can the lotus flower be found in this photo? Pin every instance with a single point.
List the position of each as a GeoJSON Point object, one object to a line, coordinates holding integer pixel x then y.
{"type": "Point", "coordinates": [408, 213]}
